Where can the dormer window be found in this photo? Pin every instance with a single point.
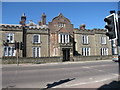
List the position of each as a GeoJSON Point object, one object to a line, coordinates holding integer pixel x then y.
{"type": "Point", "coordinates": [60, 24]}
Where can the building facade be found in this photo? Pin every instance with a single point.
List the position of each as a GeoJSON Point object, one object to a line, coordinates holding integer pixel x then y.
{"type": "Point", "coordinates": [61, 37]}
{"type": "Point", "coordinates": [57, 39]}
{"type": "Point", "coordinates": [91, 42]}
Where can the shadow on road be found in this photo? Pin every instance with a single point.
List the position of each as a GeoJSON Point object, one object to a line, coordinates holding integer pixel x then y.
{"type": "Point", "coordinates": [114, 85]}
{"type": "Point", "coordinates": [58, 83]}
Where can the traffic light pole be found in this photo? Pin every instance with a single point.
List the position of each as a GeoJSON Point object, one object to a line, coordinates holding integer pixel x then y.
{"type": "Point", "coordinates": [17, 57]}
{"type": "Point", "coordinates": [118, 42]}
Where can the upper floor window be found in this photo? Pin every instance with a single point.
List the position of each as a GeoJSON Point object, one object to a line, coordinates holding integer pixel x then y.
{"type": "Point", "coordinates": [103, 40]}
{"type": "Point", "coordinates": [36, 38]}
{"type": "Point", "coordinates": [10, 37]}
{"type": "Point", "coordinates": [64, 38]}
{"type": "Point", "coordinates": [9, 51]}
{"type": "Point", "coordinates": [85, 39]}
{"type": "Point", "coordinates": [60, 24]}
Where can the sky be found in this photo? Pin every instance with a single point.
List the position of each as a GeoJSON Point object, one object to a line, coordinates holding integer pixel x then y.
{"type": "Point", "coordinates": [91, 14]}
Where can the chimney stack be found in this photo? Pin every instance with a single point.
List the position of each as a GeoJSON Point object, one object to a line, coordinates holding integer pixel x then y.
{"type": "Point", "coordinates": [82, 26]}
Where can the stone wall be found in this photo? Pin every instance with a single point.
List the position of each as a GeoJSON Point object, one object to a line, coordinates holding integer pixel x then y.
{"type": "Point", "coordinates": [91, 58]}
{"type": "Point", "coordinates": [13, 60]}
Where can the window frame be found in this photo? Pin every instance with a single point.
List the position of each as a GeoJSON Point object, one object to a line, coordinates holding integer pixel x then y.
{"type": "Point", "coordinates": [103, 40]}
{"type": "Point", "coordinates": [86, 51]}
{"type": "Point", "coordinates": [36, 52]}
{"type": "Point", "coordinates": [85, 39]}
{"type": "Point", "coordinates": [8, 37]}
{"type": "Point", "coordinates": [10, 51]}
{"type": "Point", "coordinates": [34, 39]}
{"type": "Point", "coordinates": [63, 38]}
{"type": "Point", "coordinates": [104, 51]}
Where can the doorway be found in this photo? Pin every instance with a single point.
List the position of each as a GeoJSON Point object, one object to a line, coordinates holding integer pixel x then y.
{"type": "Point", "coordinates": [66, 54]}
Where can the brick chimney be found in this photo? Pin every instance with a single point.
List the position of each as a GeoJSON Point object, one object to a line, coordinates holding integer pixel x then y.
{"type": "Point", "coordinates": [82, 26]}
{"type": "Point", "coordinates": [23, 19]}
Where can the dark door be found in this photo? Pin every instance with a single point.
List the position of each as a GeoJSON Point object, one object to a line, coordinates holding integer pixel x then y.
{"type": "Point", "coordinates": [66, 54]}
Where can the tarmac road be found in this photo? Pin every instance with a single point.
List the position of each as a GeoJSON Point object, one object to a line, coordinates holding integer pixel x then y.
{"type": "Point", "coordinates": [59, 75]}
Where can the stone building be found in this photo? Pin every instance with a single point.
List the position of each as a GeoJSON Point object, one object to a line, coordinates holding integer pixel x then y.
{"type": "Point", "coordinates": [57, 39]}
{"type": "Point", "coordinates": [32, 38]}
{"type": "Point", "coordinates": [91, 42]}
{"type": "Point", "coordinates": [61, 37]}
{"type": "Point", "coordinates": [9, 34]}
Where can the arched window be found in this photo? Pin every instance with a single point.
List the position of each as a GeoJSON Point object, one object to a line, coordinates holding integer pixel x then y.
{"type": "Point", "coordinates": [10, 37]}
{"type": "Point", "coordinates": [36, 38]}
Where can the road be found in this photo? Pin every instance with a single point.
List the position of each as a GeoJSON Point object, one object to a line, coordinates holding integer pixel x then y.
{"type": "Point", "coordinates": [58, 75]}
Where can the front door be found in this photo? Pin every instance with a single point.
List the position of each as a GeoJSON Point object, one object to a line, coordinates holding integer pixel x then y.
{"type": "Point", "coordinates": [66, 54]}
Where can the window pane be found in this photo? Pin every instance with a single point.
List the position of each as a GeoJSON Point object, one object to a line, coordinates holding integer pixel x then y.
{"type": "Point", "coordinates": [36, 39]}
{"type": "Point", "coordinates": [9, 51]}
{"type": "Point", "coordinates": [5, 51]}
{"type": "Point", "coordinates": [37, 51]}
{"type": "Point", "coordinates": [9, 37]}
{"type": "Point", "coordinates": [13, 53]}
{"type": "Point", "coordinates": [33, 51]}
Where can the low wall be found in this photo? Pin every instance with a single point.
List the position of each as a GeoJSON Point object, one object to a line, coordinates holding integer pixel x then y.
{"type": "Point", "coordinates": [13, 60]}
{"type": "Point", "coordinates": [91, 58]}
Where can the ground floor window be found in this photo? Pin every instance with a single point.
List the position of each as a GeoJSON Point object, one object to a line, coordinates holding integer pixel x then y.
{"type": "Point", "coordinates": [104, 51]}
{"type": "Point", "coordinates": [55, 52]}
{"type": "Point", "coordinates": [36, 52]}
{"type": "Point", "coordinates": [9, 51]}
{"type": "Point", "coordinates": [86, 51]}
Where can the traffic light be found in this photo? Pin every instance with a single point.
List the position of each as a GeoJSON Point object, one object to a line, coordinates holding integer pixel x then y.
{"type": "Point", "coordinates": [21, 45]}
{"type": "Point", "coordinates": [16, 45]}
{"type": "Point", "coordinates": [111, 26]}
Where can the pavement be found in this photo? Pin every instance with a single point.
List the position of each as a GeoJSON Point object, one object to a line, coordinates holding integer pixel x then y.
{"type": "Point", "coordinates": [52, 63]}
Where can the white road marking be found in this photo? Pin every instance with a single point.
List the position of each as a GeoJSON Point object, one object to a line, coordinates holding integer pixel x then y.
{"type": "Point", "coordinates": [83, 83]}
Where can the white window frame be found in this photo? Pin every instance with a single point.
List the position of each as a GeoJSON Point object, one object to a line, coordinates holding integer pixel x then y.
{"type": "Point", "coordinates": [10, 51]}
{"type": "Point", "coordinates": [103, 40]}
{"type": "Point", "coordinates": [63, 38]}
{"type": "Point", "coordinates": [38, 41]}
{"type": "Point", "coordinates": [37, 52]}
{"type": "Point", "coordinates": [86, 51]}
{"type": "Point", "coordinates": [8, 37]}
{"type": "Point", "coordinates": [104, 51]}
{"type": "Point", "coordinates": [55, 52]}
{"type": "Point", "coordinates": [61, 24]}
{"type": "Point", "coordinates": [85, 39]}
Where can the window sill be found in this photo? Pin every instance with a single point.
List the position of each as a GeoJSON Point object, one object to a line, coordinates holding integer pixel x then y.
{"type": "Point", "coordinates": [10, 42]}
{"type": "Point", "coordinates": [86, 43]}
{"type": "Point", "coordinates": [37, 43]}
{"type": "Point", "coordinates": [103, 44]}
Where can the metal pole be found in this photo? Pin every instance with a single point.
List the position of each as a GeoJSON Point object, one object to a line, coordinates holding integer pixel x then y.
{"type": "Point", "coordinates": [17, 57]}
{"type": "Point", "coordinates": [118, 43]}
